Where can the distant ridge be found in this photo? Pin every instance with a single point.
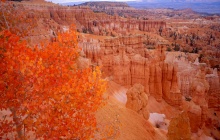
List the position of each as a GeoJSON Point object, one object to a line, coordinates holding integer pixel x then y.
{"type": "Point", "coordinates": [201, 6]}
{"type": "Point", "coordinates": [183, 1]}
{"type": "Point", "coordinates": [105, 4]}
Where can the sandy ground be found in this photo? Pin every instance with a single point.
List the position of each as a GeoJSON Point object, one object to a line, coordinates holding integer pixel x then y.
{"type": "Point", "coordinates": [123, 123]}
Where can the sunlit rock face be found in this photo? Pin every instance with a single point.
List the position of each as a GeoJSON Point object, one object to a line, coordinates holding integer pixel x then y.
{"type": "Point", "coordinates": [173, 79]}
{"type": "Point", "coordinates": [214, 90]}
{"type": "Point", "coordinates": [129, 62]}
{"type": "Point", "coordinates": [171, 91]}
{"type": "Point", "coordinates": [179, 128]}
{"type": "Point", "coordinates": [199, 86]}
{"type": "Point", "coordinates": [137, 100]}
{"type": "Point", "coordinates": [100, 24]}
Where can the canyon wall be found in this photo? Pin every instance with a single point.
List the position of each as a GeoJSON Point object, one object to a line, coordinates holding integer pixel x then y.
{"type": "Point", "coordinates": [214, 90]}
{"type": "Point", "coordinates": [181, 83]}
{"type": "Point", "coordinates": [127, 61]}
{"type": "Point", "coordinates": [199, 85]}
{"type": "Point", "coordinates": [86, 20]}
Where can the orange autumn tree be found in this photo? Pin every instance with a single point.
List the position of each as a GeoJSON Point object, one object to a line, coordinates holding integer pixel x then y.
{"type": "Point", "coordinates": [43, 92]}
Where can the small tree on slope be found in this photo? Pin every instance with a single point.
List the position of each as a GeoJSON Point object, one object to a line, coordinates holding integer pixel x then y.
{"type": "Point", "coordinates": [45, 93]}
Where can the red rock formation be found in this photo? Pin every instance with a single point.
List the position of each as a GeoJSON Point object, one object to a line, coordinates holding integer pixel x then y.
{"type": "Point", "coordinates": [121, 68]}
{"type": "Point", "coordinates": [171, 91]}
{"type": "Point", "coordinates": [214, 90]}
{"type": "Point", "coordinates": [91, 48]}
{"type": "Point", "coordinates": [179, 128]}
{"type": "Point", "coordinates": [140, 71]}
{"type": "Point", "coordinates": [156, 75]}
{"type": "Point", "coordinates": [155, 81]}
{"type": "Point", "coordinates": [200, 90]}
{"type": "Point", "coordinates": [195, 116]}
{"type": "Point", "coordinates": [87, 21]}
{"type": "Point", "coordinates": [128, 62]}
{"type": "Point", "coordinates": [200, 87]}
{"type": "Point", "coordinates": [137, 100]}
{"type": "Point", "coordinates": [163, 80]}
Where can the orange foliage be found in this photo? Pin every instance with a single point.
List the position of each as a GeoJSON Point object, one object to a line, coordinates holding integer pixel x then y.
{"type": "Point", "coordinates": [45, 92]}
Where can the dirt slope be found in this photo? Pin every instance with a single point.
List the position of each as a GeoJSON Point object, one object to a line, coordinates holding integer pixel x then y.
{"type": "Point", "coordinates": [117, 122]}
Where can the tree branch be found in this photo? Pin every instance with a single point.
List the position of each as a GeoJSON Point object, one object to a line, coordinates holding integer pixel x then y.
{"type": "Point", "coordinates": [4, 15]}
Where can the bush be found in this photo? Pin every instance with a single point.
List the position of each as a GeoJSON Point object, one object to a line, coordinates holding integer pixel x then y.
{"type": "Point", "coordinates": [84, 30]}
{"type": "Point", "coordinates": [157, 124]}
{"type": "Point", "coordinates": [188, 99]}
{"type": "Point", "coordinates": [169, 49]}
{"type": "Point", "coordinates": [200, 57]}
{"type": "Point", "coordinates": [177, 47]}
{"type": "Point", "coordinates": [151, 47]}
{"type": "Point", "coordinates": [185, 51]}
{"type": "Point", "coordinates": [195, 50]}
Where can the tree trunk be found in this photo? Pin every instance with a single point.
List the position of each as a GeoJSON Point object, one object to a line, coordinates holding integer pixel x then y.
{"type": "Point", "coordinates": [18, 124]}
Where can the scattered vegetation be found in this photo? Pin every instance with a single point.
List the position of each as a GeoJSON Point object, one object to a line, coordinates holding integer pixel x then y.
{"type": "Point", "coordinates": [188, 99]}
{"type": "Point", "coordinates": [169, 49]}
{"type": "Point", "coordinates": [200, 57]}
{"type": "Point", "coordinates": [150, 47]}
{"type": "Point", "coordinates": [157, 125]}
{"type": "Point", "coordinates": [184, 50]}
{"type": "Point", "coordinates": [96, 11]}
{"type": "Point", "coordinates": [176, 47]}
{"type": "Point", "coordinates": [160, 31]}
{"type": "Point", "coordinates": [195, 50]}
{"type": "Point", "coordinates": [85, 30]}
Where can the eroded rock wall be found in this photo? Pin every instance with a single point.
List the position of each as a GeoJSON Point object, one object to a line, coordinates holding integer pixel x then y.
{"type": "Point", "coordinates": [171, 91]}
{"type": "Point", "coordinates": [199, 86]}
{"type": "Point", "coordinates": [128, 62]}
{"type": "Point", "coordinates": [87, 21]}
{"type": "Point", "coordinates": [214, 90]}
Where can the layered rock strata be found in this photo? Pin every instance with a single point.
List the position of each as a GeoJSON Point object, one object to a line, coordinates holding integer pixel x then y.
{"type": "Point", "coordinates": [128, 61]}
{"type": "Point", "coordinates": [87, 21]}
